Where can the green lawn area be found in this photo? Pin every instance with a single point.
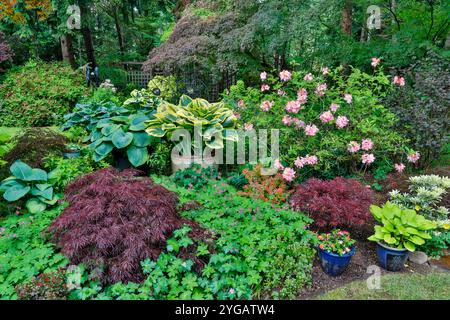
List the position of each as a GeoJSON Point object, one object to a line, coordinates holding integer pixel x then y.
{"type": "Point", "coordinates": [432, 286]}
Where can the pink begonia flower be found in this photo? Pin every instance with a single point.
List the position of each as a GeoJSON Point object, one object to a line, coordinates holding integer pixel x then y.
{"type": "Point", "coordinates": [302, 96]}
{"type": "Point", "coordinates": [375, 62]}
{"type": "Point", "coordinates": [366, 144]}
{"type": "Point", "coordinates": [399, 167]}
{"type": "Point", "coordinates": [299, 124]}
{"type": "Point", "coordinates": [281, 92]}
{"type": "Point", "coordinates": [277, 164]}
{"type": "Point", "coordinates": [367, 158]}
{"type": "Point", "coordinates": [321, 88]}
{"type": "Point", "coordinates": [248, 126]}
{"type": "Point", "coordinates": [414, 157]}
{"type": "Point", "coordinates": [341, 122]}
{"type": "Point", "coordinates": [287, 120]}
{"type": "Point", "coordinates": [232, 291]}
{"type": "Point", "coordinates": [334, 107]}
{"type": "Point", "coordinates": [299, 162]}
{"type": "Point", "coordinates": [353, 147]}
{"type": "Point", "coordinates": [266, 105]}
{"type": "Point", "coordinates": [265, 87]}
{"type": "Point", "coordinates": [311, 130]}
{"type": "Point", "coordinates": [293, 106]}
{"type": "Point", "coordinates": [285, 75]}
{"type": "Point", "coordinates": [308, 77]}
{"type": "Point", "coordinates": [348, 98]}
{"type": "Point", "coordinates": [326, 117]}
{"type": "Point", "coordinates": [289, 174]}
{"type": "Point", "coordinates": [237, 115]}
{"type": "Point", "coordinates": [400, 81]}
{"type": "Point", "coordinates": [325, 71]}
{"type": "Point", "coordinates": [263, 76]}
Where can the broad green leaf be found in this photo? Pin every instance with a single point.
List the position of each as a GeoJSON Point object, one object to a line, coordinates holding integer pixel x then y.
{"type": "Point", "coordinates": [137, 156]}
{"type": "Point", "coordinates": [35, 206]}
{"type": "Point", "coordinates": [121, 139]}
{"type": "Point", "coordinates": [16, 192]}
{"type": "Point", "coordinates": [21, 170]}
{"type": "Point", "coordinates": [104, 149]}
{"type": "Point", "coordinates": [38, 175]}
{"type": "Point", "coordinates": [141, 139]}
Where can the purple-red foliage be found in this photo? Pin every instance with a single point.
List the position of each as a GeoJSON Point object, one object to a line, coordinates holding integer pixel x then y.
{"type": "Point", "coordinates": [332, 203]}
{"type": "Point", "coordinates": [115, 220]}
{"type": "Point", "coordinates": [5, 51]}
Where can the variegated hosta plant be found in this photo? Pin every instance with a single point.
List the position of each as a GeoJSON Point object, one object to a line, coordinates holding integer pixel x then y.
{"type": "Point", "coordinates": [217, 123]}
{"type": "Point", "coordinates": [400, 228]}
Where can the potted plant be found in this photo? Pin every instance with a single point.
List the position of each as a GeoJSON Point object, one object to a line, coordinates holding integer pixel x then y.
{"type": "Point", "coordinates": [335, 251]}
{"type": "Point", "coordinates": [214, 122]}
{"type": "Point", "coordinates": [72, 151]}
{"type": "Point", "coordinates": [400, 231]}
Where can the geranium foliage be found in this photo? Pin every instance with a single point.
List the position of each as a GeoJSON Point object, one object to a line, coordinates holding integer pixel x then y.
{"type": "Point", "coordinates": [114, 221]}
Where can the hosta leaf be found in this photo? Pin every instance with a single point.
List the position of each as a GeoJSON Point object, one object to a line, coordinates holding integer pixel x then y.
{"type": "Point", "coordinates": [121, 139]}
{"type": "Point", "coordinates": [21, 170]}
{"type": "Point", "coordinates": [104, 149]}
{"type": "Point", "coordinates": [38, 175]}
{"type": "Point", "coordinates": [141, 139]}
{"type": "Point", "coordinates": [34, 205]}
{"type": "Point", "coordinates": [409, 246]}
{"type": "Point", "coordinates": [16, 192]}
{"type": "Point", "coordinates": [137, 156]}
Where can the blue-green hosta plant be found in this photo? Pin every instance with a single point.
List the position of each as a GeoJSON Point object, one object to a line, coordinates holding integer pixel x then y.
{"type": "Point", "coordinates": [426, 192]}
{"type": "Point", "coordinates": [31, 183]}
{"type": "Point", "coordinates": [217, 122]}
{"type": "Point", "coordinates": [400, 228]}
{"type": "Point", "coordinates": [123, 133]}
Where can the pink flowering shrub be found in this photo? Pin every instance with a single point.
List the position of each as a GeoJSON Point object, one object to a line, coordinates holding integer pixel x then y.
{"type": "Point", "coordinates": [336, 118]}
{"type": "Point", "coordinates": [332, 203]}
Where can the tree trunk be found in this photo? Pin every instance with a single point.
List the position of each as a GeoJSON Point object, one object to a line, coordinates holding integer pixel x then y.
{"type": "Point", "coordinates": [119, 33]}
{"type": "Point", "coordinates": [347, 18]}
{"type": "Point", "coordinates": [87, 36]}
{"type": "Point", "coordinates": [67, 49]}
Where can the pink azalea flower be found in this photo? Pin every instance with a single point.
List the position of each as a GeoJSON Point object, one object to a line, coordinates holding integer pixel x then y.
{"type": "Point", "coordinates": [285, 75]}
{"type": "Point", "coordinates": [287, 120]}
{"type": "Point", "coordinates": [277, 164]}
{"type": "Point", "coordinates": [265, 87]}
{"type": "Point", "coordinates": [289, 174]}
{"type": "Point", "coordinates": [311, 160]}
{"type": "Point", "coordinates": [237, 115]}
{"type": "Point", "coordinates": [298, 123]}
{"type": "Point", "coordinates": [300, 162]}
{"type": "Point", "coordinates": [308, 77]}
{"type": "Point", "coordinates": [293, 106]}
{"type": "Point", "coordinates": [341, 122]}
{"type": "Point", "coordinates": [241, 103]}
{"type": "Point", "coordinates": [248, 126]}
{"type": "Point", "coordinates": [366, 144]}
{"type": "Point", "coordinates": [348, 98]}
{"type": "Point", "coordinates": [414, 157]}
{"type": "Point", "coordinates": [326, 117]}
{"type": "Point", "coordinates": [400, 81]}
{"type": "Point", "coordinates": [263, 76]}
{"type": "Point", "coordinates": [302, 96]}
{"type": "Point", "coordinates": [281, 92]}
{"type": "Point", "coordinates": [399, 167]}
{"type": "Point", "coordinates": [353, 147]}
{"type": "Point", "coordinates": [325, 71]}
{"type": "Point", "coordinates": [334, 107]}
{"type": "Point", "coordinates": [266, 105]}
{"type": "Point", "coordinates": [311, 130]}
{"type": "Point", "coordinates": [367, 158]}
{"type": "Point", "coordinates": [321, 88]}
{"type": "Point", "coordinates": [232, 291]}
{"type": "Point", "coordinates": [375, 62]}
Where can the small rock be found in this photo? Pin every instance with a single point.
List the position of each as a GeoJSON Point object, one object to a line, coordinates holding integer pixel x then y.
{"type": "Point", "coordinates": [418, 257]}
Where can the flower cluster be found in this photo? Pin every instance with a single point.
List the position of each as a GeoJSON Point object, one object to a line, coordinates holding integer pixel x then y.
{"type": "Point", "coordinates": [337, 242]}
{"type": "Point", "coordinates": [366, 145]}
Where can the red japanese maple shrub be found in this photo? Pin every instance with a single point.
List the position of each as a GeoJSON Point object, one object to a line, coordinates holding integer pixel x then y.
{"type": "Point", "coordinates": [115, 220]}
{"type": "Point", "coordinates": [332, 203]}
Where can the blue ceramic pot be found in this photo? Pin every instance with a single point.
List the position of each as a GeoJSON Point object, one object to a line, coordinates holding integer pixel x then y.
{"type": "Point", "coordinates": [334, 264]}
{"type": "Point", "coordinates": [390, 258]}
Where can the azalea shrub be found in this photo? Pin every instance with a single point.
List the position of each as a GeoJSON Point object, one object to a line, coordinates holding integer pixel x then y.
{"type": "Point", "coordinates": [114, 221]}
{"type": "Point", "coordinates": [333, 203]}
{"type": "Point", "coordinates": [331, 123]}
{"type": "Point", "coordinates": [39, 94]}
